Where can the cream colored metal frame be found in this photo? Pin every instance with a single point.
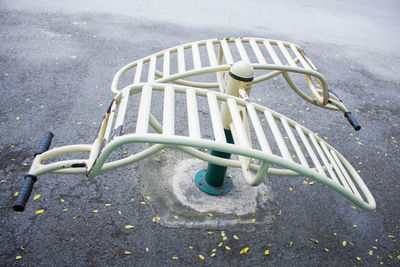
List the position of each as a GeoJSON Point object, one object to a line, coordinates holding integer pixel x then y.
{"type": "Point", "coordinates": [299, 152]}
{"type": "Point", "coordinates": [272, 56]}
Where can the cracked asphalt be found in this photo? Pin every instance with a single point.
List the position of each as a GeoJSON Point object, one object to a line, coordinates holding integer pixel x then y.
{"type": "Point", "coordinates": [57, 61]}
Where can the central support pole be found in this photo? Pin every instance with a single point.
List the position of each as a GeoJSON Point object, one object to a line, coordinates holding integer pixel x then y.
{"type": "Point", "coordinates": [214, 180]}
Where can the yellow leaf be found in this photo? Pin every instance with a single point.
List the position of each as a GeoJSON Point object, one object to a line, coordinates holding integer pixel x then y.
{"type": "Point", "coordinates": [143, 203]}
{"type": "Point", "coordinates": [36, 197]}
{"type": "Point", "coordinates": [39, 211]}
{"type": "Point", "coordinates": [175, 258]}
{"type": "Point", "coordinates": [190, 247]}
{"type": "Point", "coordinates": [220, 244]}
{"type": "Point", "coordinates": [358, 258]}
{"type": "Point", "coordinates": [291, 243]}
{"type": "Point", "coordinates": [18, 257]}
{"type": "Point", "coordinates": [176, 217]}
{"type": "Point", "coordinates": [311, 183]}
{"type": "Point", "coordinates": [225, 238]}
{"type": "Point", "coordinates": [95, 211]}
{"type": "Point", "coordinates": [119, 212]}
{"type": "Point", "coordinates": [147, 249]}
{"type": "Point", "coordinates": [64, 210]}
{"type": "Point", "coordinates": [129, 226]}
{"type": "Point", "coordinates": [291, 189]}
{"type": "Point", "coordinates": [344, 243]}
{"type": "Point", "coordinates": [398, 256]}
{"type": "Point", "coordinates": [210, 233]}
{"type": "Point", "coordinates": [213, 255]}
{"type": "Point", "coordinates": [244, 250]}
{"type": "Point", "coordinates": [227, 248]}
{"type": "Point", "coordinates": [214, 250]}
{"type": "Point", "coordinates": [201, 257]}
{"type": "Point", "coordinates": [266, 252]}
{"type": "Point", "coordinates": [16, 194]}
{"type": "Point", "coordinates": [236, 237]}
{"type": "Point", "coordinates": [223, 233]}
{"type": "Point", "coordinates": [354, 207]}
{"type": "Point", "coordinates": [210, 215]}
{"type": "Point", "coordinates": [370, 252]}
{"type": "Point", "coordinates": [327, 250]}
{"type": "Point", "coordinates": [108, 205]}
{"type": "Point", "coordinates": [62, 200]}
{"type": "Point", "coordinates": [76, 217]}
{"type": "Point", "coordinates": [253, 220]}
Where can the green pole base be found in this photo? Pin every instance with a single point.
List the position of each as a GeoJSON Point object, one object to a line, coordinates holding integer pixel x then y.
{"type": "Point", "coordinates": [201, 183]}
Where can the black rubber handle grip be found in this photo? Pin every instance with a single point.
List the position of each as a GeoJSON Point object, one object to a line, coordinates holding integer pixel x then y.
{"type": "Point", "coordinates": [352, 121]}
{"type": "Point", "coordinates": [24, 193]}
{"type": "Point", "coordinates": [45, 143]}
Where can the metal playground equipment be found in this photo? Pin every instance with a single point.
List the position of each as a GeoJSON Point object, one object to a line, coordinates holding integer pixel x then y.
{"type": "Point", "coordinates": [264, 141]}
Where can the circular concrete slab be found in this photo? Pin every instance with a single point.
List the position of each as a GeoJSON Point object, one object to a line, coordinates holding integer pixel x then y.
{"type": "Point", "coordinates": [168, 184]}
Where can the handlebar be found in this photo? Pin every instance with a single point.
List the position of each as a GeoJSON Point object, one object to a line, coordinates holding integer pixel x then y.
{"type": "Point", "coordinates": [30, 179]}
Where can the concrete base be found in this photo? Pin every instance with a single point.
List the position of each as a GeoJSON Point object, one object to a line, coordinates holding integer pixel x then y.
{"type": "Point", "coordinates": [170, 189]}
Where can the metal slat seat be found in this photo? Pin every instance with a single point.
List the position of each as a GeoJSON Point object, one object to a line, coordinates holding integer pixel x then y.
{"type": "Point", "coordinates": [273, 57]}
{"type": "Point", "coordinates": [317, 159]}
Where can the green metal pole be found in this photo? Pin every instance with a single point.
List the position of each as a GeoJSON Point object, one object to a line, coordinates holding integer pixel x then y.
{"type": "Point", "coordinates": [214, 180]}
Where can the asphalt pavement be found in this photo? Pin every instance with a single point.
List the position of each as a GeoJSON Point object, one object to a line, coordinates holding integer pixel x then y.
{"type": "Point", "coordinates": [57, 61]}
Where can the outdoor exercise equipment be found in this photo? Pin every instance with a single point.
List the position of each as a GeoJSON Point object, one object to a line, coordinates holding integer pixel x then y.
{"type": "Point", "coordinates": [223, 121]}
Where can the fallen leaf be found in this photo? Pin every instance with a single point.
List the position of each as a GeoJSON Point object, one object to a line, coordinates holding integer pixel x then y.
{"type": "Point", "coordinates": [326, 249]}
{"type": "Point", "coordinates": [108, 205]}
{"type": "Point", "coordinates": [266, 252]}
{"type": "Point", "coordinates": [236, 237]}
{"type": "Point", "coordinates": [313, 240]}
{"type": "Point", "coordinates": [119, 212]}
{"type": "Point", "coordinates": [210, 215]}
{"type": "Point", "coordinates": [190, 247]}
{"type": "Point", "coordinates": [64, 210]}
{"type": "Point", "coordinates": [175, 258]}
{"type": "Point", "coordinates": [291, 243]}
{"type": "Point", "coordinates": [212, 255]}
{"type": "Point", "coordinates": [344, 243]}
{"type": "Point", "coordinates": [220, 244]}
{"type": "Point", "coordinates": [129, 226]}
{"type": "Point", "coordinates": [39, 211]}
{"type": "Point", "coordinates": [210, 233]}
{"type": "Point", "coordinates": [358, 258]}
{"type": "Point", "coordinates": [16, 194]}
{"type": "Point", "coordinates": [244, 250]}
{"type": "Point", "coordinates": [18, 257]}
{"type": "Point", "coordinates": [227, 248]}
{"type": "Point", "coordinates": [370, 252]}
{"type": "Point", "coordinates": [36, 197]}
{"type": "Point", "coordinates": [201, 257]}
{"type": "Point", "coordinates": [147, 249]}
